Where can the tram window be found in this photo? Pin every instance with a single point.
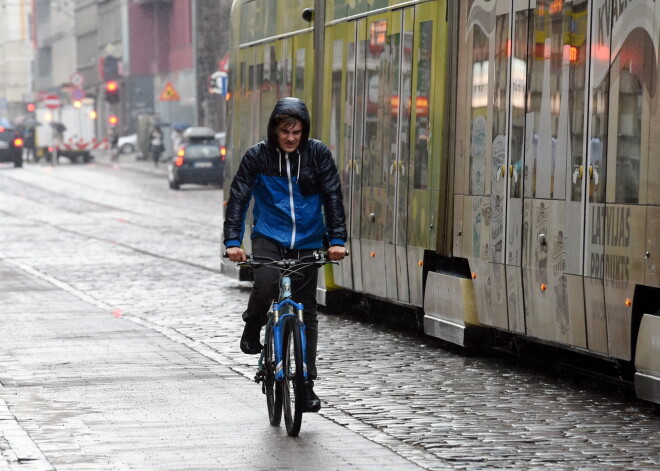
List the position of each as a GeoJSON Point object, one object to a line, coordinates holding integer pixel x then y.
{"type": "Point", "coordinates": [478, 100]}
{"type": "Point", "coordinates": [355, 58]}
{"type": "Point", "coordinates": [281, 88]}
{"type": "Point", "coordinates": [597, 147]}
{"type": "Point", "coordinates": [578, 72]}
{"type": "Point", "coordinates": [269, 68]}
{"type": "Point", "coordinates": [422, 121]}
{"type": "Point", "coordinates": [288, 68]}
{"type": "Point", "coordinates": [259, 77]}
{"type": "Point", "coordinates": [518, 93]}
{"type": "Point", "coordinates": [629, 142]}
{"type": "Point", "coordinates": [242, 81]}
{"type": "Point", "coordinates": [300, 71]}
{"type": "Point", "coordinates": [501, 64]}
{"type": "Point", "coordinates": [268, 83]}
{"type": "Point", "coordinates": [336, 136]}
{"type": "Point", "coordinates": [283, 76]}
{"type": "Point", "coordinates": [259, 109]}
{"type": "Point", "coordinates": [250, 87]}
{"type": "Point", "coordinates": [379, 105]}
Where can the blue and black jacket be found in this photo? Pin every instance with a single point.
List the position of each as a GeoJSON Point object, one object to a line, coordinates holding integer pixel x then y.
{"type": "Point", "coordinates": [297, 196]}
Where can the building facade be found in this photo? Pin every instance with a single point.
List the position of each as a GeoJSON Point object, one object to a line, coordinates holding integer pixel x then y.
{"type": "Point", "coordinates": [16, 50]}
{"type": "Point", "coordinates": [159, 52]}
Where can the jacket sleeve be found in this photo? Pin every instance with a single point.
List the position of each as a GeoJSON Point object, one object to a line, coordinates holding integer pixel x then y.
{"type": "Point", "coordinates": [240, 194]}
{"type": "Point", "coordinates": [333, 205]}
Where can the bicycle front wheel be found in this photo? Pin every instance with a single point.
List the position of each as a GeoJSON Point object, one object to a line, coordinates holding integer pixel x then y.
{"type": "Point", "coordinates": [273, 389]}
{"type": "Point", "coordinates": [293, 393]}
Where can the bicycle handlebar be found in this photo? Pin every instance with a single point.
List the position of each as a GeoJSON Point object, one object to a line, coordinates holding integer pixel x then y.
{"type": "Point", "coordinates": [319, 258]}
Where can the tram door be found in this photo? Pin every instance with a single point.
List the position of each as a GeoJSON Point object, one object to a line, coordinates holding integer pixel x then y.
{"type": "Point", "coordinates": [375, 59]}
{"type": "Point", "coordinates": [339, 133]}
{"type": "Point", "coordinates": [622, 89]}
{"type": "Point", "coordinates": [424, 176]}
{"type": "Point", "coordinates": [512, 171]}
{"type": "Point", "coordinates": [385, 153]}
{"type": "Point", "coordinates": [382, 70]}
{"type": "Point", "coordinates": [553, 212]}
{"type": "Point", "coordinates": [492, 146]}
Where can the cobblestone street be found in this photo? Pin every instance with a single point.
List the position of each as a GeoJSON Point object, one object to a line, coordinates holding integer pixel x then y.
{"type": "Point", "coordinates": [116, 239]}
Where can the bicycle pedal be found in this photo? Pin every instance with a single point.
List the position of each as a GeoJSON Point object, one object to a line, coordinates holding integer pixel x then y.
{"type": "Point", "coordinates": [259, 377]}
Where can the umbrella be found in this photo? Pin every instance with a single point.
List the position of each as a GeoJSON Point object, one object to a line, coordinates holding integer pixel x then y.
{"type": "Point", "coordinates": [181, 126]}
{"type": "Point", "coordinates": [59, 127]}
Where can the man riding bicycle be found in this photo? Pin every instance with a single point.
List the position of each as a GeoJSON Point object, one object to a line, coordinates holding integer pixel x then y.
{"type": "Point", "coordinates": [297, 209]}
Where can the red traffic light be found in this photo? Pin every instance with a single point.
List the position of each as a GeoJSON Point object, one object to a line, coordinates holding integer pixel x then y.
{"type": "Point", "coordinates": [30, 107]}
{"type": "Point", "coordinates": [112, 91]}
{"type": "Point", "coordinates": [113, 120]}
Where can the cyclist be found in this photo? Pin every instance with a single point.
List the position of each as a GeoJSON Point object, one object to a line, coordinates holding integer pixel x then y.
{"type": "Point", "coordinates": [297, 209]}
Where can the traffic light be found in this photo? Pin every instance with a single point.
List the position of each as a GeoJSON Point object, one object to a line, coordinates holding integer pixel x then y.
{"type": "Point", "coordinates": [113, 120]}
{"type": "Point", "coordinates": [112, 91]}
{"type": "Point", "coordinates": [30, 107]}
{"type": "Point", "coordinates": [110, 68]}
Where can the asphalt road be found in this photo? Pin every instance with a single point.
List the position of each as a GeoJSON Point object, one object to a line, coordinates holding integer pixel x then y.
{"type": "Point", "coordinates": [120, 351]}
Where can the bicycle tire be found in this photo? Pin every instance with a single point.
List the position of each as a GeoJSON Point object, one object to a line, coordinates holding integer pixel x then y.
{"type": "Point", "coordinates": [293, 393]}
{"type": "Point", "coordinates": [273, 388]}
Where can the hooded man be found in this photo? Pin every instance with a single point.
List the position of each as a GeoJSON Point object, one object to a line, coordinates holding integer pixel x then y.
{"type": "Point", "coordinates": [297, 209]}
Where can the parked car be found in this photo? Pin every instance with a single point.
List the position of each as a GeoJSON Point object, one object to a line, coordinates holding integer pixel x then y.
{"type": "Point", "coordinates": [127, 144]}
{"type": "Point", "coordinates": [199, 160]}
{"type": "Point", "coordinates": [11, 146]}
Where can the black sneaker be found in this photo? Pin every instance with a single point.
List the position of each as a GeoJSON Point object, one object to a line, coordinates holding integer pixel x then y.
{"type": "Point", "coordinates": [250, 343]}
{"type": "Point", "coordinates": [312, 401]}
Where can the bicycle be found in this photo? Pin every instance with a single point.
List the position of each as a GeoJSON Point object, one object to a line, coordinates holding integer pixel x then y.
{"type": "Point", "coordinates": [282, 367]}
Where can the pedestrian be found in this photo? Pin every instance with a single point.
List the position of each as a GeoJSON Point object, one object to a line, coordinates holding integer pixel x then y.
{"type": "Point", "coordinates": [156, 144]}
{"type": "Point", "coordinates": [288, 170]}
{"type": "Point", "coordinates": [28, 144]}
{"type": "Point", "coordinates": [114, 140]}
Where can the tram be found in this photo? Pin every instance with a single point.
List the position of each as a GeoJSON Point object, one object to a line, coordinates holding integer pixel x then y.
{"type": "Point", "coordinates": [496, 156]}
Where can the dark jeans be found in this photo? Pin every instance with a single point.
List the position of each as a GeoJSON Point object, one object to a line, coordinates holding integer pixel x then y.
{"type": "Point", "coordinates": [266, 289]}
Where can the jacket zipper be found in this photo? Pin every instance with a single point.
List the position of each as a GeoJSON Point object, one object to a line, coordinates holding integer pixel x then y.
{"type": "Point", "coordinates": [293, 211]}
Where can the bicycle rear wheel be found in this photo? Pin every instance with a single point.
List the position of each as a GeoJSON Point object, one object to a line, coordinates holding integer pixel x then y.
{"type": "Point", "coordinates": [293, 393]}
{"type": "Point", "coordinates": [273, 388]}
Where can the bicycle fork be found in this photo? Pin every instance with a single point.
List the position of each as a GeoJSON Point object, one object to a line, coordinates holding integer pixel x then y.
{"type": "Point", "coordinates": [278, 323]}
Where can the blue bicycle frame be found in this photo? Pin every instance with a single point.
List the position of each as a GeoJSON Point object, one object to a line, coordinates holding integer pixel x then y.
{"type": "Point", "coordinates": [277, 328]}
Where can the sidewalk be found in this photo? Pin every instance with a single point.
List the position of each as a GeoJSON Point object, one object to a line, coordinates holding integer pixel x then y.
{"type": "Point", "coordinates": [85, 387]}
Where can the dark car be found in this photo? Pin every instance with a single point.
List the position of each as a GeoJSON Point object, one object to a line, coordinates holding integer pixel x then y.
{"type": "Point", "coordinates": [11, 146]}
{"type": "Point", "coordinates": [199, 160]}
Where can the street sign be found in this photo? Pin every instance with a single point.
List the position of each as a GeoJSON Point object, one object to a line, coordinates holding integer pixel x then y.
{"type": "Point", "coordinates": [77, 94]}
{"type": "Point", "coordinates": [169, 93]}
{"type": "Point", "coordinates": [52, 102]}
{"type": "Point", "coordinates": [218, 83]}
{"type": "Point", "coordinates": [76, 80]}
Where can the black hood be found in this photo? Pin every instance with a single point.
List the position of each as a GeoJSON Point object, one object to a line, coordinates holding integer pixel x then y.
{"type": "Point", "coordinates": [292, 107]}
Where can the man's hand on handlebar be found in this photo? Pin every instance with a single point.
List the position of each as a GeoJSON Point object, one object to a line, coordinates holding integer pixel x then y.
{"type": "Point", "coordinates": [336, 253]}
{"type": "Point", "coordinates": [236, 254]}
